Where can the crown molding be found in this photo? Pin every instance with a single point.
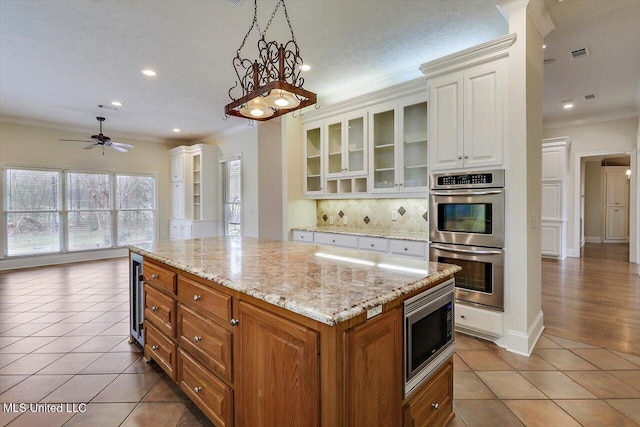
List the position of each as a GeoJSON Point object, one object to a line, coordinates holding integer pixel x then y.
{"type": "Point", "coordinates": [482, 53]}
{"type": "Point", "coordinates": [540, 17]}
{"type": "Point", "coordinates": [619, 115]}
{"type": "Point", "coordinates": [560, 141]}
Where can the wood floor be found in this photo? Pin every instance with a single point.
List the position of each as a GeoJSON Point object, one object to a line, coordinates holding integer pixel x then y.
{"type": "Point", "coordinates": [594, 299]}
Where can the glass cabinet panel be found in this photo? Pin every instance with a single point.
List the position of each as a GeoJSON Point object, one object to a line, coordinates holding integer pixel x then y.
{"type": "Point", "coordinates": [197, 213]}
{"type": "Point", "coordinates": [334, 138]}
{"type": "Point", "coordinates": [384, 149]}
{"type": "Point", "coordinates": [355, 145]}
{"type": "Point", "coordinates": [313, 159]}
{"type": "Point", "coordinates": [414, 143]}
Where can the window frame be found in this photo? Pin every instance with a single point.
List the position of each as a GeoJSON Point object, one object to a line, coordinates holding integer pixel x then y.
{"type": "Point", "coordinates": [223, 180]}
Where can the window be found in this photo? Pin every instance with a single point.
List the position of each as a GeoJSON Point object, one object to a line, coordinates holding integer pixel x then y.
{"type": "Point", "coordinates": [32, 211]}
{"type": "Point", "coordinates": [231, 196]}
{"type": "Point", "coordinates": [100, 210]}
{"type": "Point", "coordinates": [88, 211]}
{"type": "Point", "coordinates": [135, 205]}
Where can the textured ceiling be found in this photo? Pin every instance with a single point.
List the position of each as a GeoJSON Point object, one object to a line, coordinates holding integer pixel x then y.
{"type": "Point", "coordinates": [59, 59]}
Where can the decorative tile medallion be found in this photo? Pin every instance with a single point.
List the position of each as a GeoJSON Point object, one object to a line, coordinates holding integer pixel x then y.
{"type": "Point", "coordinates": [325, 217]}
{"type": "Point", "coordinates": [425, 216]}
{"type": "Point", "coordinates": [366, 220]}
{"type": "Point", "coordinates": [402, 211]}
{"type": "Point", "coordinates": [340, 214]}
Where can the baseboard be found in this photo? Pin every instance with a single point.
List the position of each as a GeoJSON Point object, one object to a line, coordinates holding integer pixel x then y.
{"type": "Point", "coordinates": [520, 343]}
{"type": "Point", "coordinates": [55, 259]}
{"type": "Point", "coordinates": [593, 239]}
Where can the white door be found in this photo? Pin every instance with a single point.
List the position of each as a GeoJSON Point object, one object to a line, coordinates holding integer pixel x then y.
{"type": "Point", "coordinates": [617, 204]}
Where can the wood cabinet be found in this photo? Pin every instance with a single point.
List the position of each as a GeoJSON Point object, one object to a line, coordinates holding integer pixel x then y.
{"type": "Point", "coordinates": [195, 209]}
{"type": "Point", "coordinates": [278, 372]}
{"type": "Point", "coordinates": [373, 356]}
{"type": "Point", "coordinates": [466, 118]}
{"type": "Point", "coordinates": [245, 362]}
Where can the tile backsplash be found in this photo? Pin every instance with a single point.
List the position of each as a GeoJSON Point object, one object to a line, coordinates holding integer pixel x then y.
{"type": "Point", "coordinates": [375, 214]}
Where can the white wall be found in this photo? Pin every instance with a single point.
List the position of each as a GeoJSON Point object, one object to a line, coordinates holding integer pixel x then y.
{"type": "Point", "coordinates": [270, 177]}
{"type": "Point", "coordinates": [593, 203]}
{"type": "Point", "coordinates": [595, 139]}
{"type": "Point", "coordinates": [22, 145]}
{"type": "Point", "coordinates": [243, 140]}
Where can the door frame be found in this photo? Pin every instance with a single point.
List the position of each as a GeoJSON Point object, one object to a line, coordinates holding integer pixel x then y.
{"type": "Point", "coordinates": [578, 227]}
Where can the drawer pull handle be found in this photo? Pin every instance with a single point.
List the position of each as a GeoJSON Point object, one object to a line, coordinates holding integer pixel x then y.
{"type": "Point", "coordinates": [154, 276]}
{"type": "Point", "coordinates": [333, 241]}
{"type": "Point", "coordinates": [154, 347]}
{"type": "Point", "coordinates": [234, 322]}
{"type": "Point", "coordinates": [372, 245]}
{"type": "Point", "coordinates": [154, 308]}
{"type": "Point", "coordinates": [435, 406]}
{"type": "Point", "coordinates": [459, 157]}
{"type": "Point", "coordinates": [197, 339]}
{"type": "Point", "coordinates": [196, 297]}
{"type": "Point", "coordinates": [462, 316]}
{"type": "Point", "coordinates": [197, 389]}
{"type": "Point", "coordinates": [406, 249]}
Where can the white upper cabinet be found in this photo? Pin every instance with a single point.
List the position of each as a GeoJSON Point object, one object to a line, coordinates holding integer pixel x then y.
{"type": "Point", "coordinates": [466, 113]}
{"type": "Point", "coordinates": [467, 92]}
{"type": "Point", "coordinates": [177, 168]}
{"type": "Point", "coordinates": [346, 145]}
{"type": "Point", "coordinates": [314, 178]}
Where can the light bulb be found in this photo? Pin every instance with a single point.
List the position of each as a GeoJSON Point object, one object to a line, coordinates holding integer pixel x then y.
{"type": "Point", "coordinates": [256, 108]}
{"type": "Point", "coordinates": [281, 102]}
{"type": "Point", "coordinates": [257, 112]}
{"type": "Point", "coordinates": [280, 98]}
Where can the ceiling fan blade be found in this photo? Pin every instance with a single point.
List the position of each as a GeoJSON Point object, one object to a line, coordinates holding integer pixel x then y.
{"type": "Point", "coordinates": [89, 147]}
{"type": "Point", "coordinates": [115, 147]}
{"type": "Point", "coordinates": [75, 140]}
{"type": "Point", "coordinates": [121, 144]}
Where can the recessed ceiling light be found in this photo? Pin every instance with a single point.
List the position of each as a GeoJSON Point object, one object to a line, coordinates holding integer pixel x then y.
{"type": "Point", "coordinates": [305, 67]}
{"type": "Point", "coordinates": [149, 72]}
{"type": "Point", "coordinates": [567, 106]}
{"type": "Point", "coordinates": [176, 130]}
{"type": "Point", "coordinates": [544, 46]}
{"type": "Point", "coordinates": [116, 103]}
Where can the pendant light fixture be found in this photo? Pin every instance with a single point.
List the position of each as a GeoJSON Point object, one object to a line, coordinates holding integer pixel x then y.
{"type": "Point", "coordinates": [270, 85]}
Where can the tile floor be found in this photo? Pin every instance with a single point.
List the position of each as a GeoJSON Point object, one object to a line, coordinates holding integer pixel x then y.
{"type": "Point", "coordinates": [64, 338]}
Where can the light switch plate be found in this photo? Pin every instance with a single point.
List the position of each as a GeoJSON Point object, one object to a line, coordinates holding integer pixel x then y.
{"type": "Point", "coordinates": [394, 215]}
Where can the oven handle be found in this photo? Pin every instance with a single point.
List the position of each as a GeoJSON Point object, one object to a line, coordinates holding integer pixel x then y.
{"type": "Point", "coordinates": [465, 251]}
{"type": "Point", "coordinates": [466, 193]}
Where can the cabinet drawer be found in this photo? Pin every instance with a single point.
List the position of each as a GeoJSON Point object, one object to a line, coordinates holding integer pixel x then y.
{"type": "Point", "coordinates": [476, 319]}
{"type": "Point", "coordinates": [203, 299]}
{"type": "Point", "coordinates": [408, 247]}
{"type": "Point", "coordinates": [303, 236]}
{"type": "Point", "coordinates": [206, 341]}
{"type": "Point", "coordinates": [160, 310]}
{"type": "Point", "coordinates": [159, 277]}
{"type": "Point", "coordinates": [335, 239]}
{"type": "Point", "coordinates": [375, 244]}
{"type": "Point", "coordinates": [161, 349]}
{"type": "Point", "coordinates": [210, 394]}
{"type": "Point", "coordinates": [433, 403]}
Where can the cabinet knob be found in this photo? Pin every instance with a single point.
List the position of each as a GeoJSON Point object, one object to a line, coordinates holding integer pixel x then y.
{"type": "Point", "coordinates": [196, 297]}
{"type": "Point", "coordinates": [459, 157]}
{"type": "Point", "coordinates": [401, 184]}
{"type": "Point", "coordinates": [333, 241]}
{"type": "Point", "coordinates": [154, 308]}
{"type": "Point", "coordinates": [154, 276]}
{"type": "Point", "coordinates": [154, 347]}
{"type": "Point", "coordinates": [466, 157]}
{"type": "Point", "coordinates": [462, 316]}
{"type": "Point", "coordinates": [435, 406]}
{"type": "Point", "coordinates": [372, 245]}
{"type": "Point", "coordinates": [234, 322]}
{"type": "Point", "coordinates": [406, 249]}
{"type": "Point", "coordinates": [197, 339]}
{"type": "Point", "coordinates": [197, 389]}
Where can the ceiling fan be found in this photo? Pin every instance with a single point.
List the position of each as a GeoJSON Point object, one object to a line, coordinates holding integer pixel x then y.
{"type": "Point", "coordinates": [103, 140]}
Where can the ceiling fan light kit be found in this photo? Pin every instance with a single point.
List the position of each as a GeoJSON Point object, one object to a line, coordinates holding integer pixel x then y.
{"type": "Point", "coordinates": [271, 84]}
{"type": "Point", "coordinates": [103, 140]}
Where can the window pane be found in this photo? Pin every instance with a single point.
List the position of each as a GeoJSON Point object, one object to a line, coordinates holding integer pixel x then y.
{"type": "Point", "coordinates": [232, 177]}
{"type": "Point", "coordinates": [135, 192]}
{"type": "Point", "coordinates": [88, 191]}
{"type": "Point", "coordinates": [135, 227]}
{"type": "Point", "coordinates": [33, 233]}
{"type": "Point", "coordinates": [89, 230]}
{"type": "Point", "coordinates": [30, 190]}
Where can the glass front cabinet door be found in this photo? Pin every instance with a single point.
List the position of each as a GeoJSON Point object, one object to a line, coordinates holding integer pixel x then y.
{"type": "Point", "coordinates": [313, 159]}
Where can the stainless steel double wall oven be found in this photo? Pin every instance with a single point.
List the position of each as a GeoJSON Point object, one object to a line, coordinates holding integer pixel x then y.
{"type": "Point", "coordinates": [467, 229]}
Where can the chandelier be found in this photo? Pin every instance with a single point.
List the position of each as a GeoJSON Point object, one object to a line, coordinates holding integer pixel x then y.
{"type": "Point", "coordinates": [270, 85]}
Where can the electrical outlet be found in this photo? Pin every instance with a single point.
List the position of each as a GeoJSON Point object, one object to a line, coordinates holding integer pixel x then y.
{"type": "Point", "coordinates": [394, 215]}
{"type": "Point", "coordinates": [331, 219]}
{"type": "Point", "coordinates": [295, 213]}
{"type": "Point", "coordinates": [534, 221]}
{"type": "Point", "coordinates": [345, 220]}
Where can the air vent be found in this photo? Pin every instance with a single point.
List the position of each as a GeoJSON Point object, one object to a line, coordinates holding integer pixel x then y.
{"type": "Point", "coordinates": [107, 107]}
{"type": "Point", "coordinates": [580, 53]}
{"type": "Point", "coordinates": [549, 61]}
{"type": "Point", "coordinates": [236, 2]}
{"type": "Point", "coordinates": [590, 97]}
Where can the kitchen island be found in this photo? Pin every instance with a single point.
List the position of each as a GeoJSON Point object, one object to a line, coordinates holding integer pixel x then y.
{"type": "Point", "coordinates": [268, 333]}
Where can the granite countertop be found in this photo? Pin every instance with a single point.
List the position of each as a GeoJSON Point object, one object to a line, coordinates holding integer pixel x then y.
{"type": "Point", "coordinates": [327, 284]}
{"type": "Point", "coordinates": [388, 234]}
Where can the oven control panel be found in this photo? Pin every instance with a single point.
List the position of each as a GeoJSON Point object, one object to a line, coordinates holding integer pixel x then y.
{"type": "Point", "coordinates": [482, 179]}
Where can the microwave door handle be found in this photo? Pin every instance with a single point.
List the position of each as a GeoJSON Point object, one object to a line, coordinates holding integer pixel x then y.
{"type": "Point", "coordinates": [466, 193]}
{"type": "Point", "coordinates": [465, 251]}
